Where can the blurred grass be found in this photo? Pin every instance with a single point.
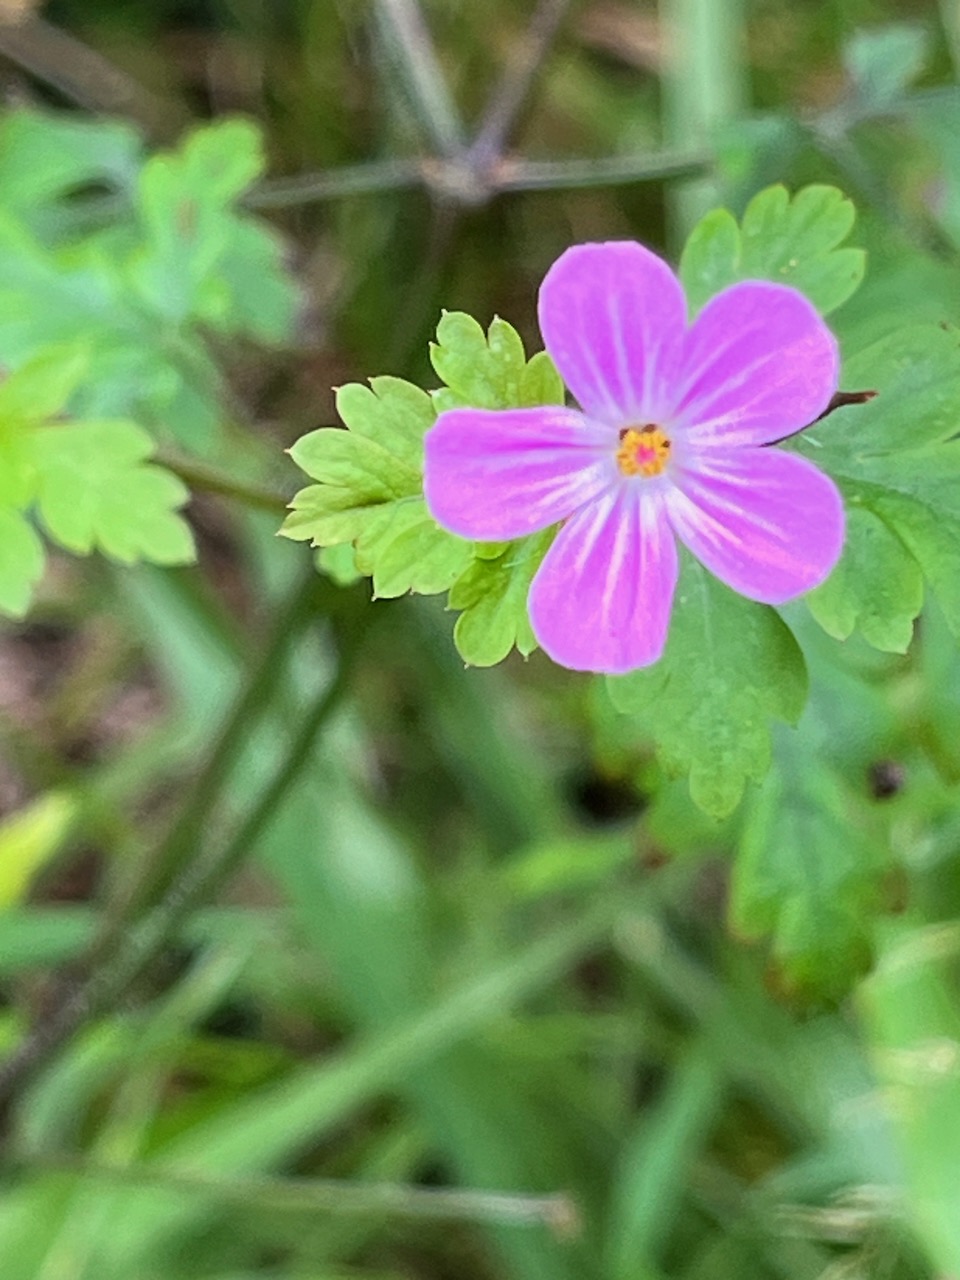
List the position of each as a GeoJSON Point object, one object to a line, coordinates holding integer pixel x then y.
{"type": "Point", "coordinates": [447, 958]}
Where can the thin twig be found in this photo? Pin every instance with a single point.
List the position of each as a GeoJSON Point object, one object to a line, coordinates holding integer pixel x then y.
{"type": "Point", "coordinates": [507, 99]}
{"type": "Point", "coordinates": [839, 400]}
{"type": "Point", "coordinates": [84, 75]}
{"type": "Point", "coordinates": [350, 180]}
{"type": "Point", "coordinates": [408, 39]}
{"type": "Point", "coordinates": [556, 175]}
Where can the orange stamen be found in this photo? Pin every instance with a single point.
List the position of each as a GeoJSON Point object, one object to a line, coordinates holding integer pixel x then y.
{"type": "Point", "coordinates": [644, 451]}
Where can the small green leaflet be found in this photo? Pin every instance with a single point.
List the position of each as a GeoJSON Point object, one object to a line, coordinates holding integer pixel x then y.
{"type": "Point", "coordinates": [489, 370]}
{"type": "Point", "coordinates": [46, 156]}
{"type": "Point", "coordinates": [897, 461]}
{"type": "Point", "coordinates": [492, 593]}
{"type": "Point", "coordinates": [97, 491]}
{"type": "Point", "coordinates": [369, 490]}
{"type": "Point", "coordinates": [141, 293]}
{"type": "Point", "coordinates": [90, 483]}
{"type": "Point", "coordinates": [369, 487]}
{"type": "Point", "coordinates": [202, 259]}
{"type": "Point", "coordinates": [730, 666]}
{"type": "Point", "coordinates": [877, 587]}
{"type": "Point", "coordinates": [793, 242]}
{"type": "Point", "coordinates": [808, 871]}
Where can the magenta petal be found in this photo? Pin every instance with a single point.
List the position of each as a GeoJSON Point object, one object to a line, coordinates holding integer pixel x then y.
{"type": "Point", "coordinates": [758, 364]}
{"type": "Point", "coordinates": [612, 318]}
{"type": "Point", "coordinates": [601, 599]}
{"type": "Point", "coordinates": [767, 523]}
{"type": "Point", "coordinates": [493, 474]}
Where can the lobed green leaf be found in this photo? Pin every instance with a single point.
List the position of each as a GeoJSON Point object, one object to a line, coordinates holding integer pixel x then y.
{"type": "Point", "coordinates": [492, 595]}
{"type": "Point", "coordinates": [489, 370]}
{"type": "Point", "coordinates": [730, 666]}
{"type": "Point", "coordinates": [95, 489]}
{"type": "Point", "coordinates": [369, 490]}
{"type": "Point", "coordinates": [791, 241]}
{"type": "Point", "coordinates": [808, 871]}
{"type": "Point", "coordinates": [898, 459]}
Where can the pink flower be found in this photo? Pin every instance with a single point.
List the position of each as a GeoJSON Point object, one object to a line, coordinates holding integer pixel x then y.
{"type": "Point", "coordinates": [667, 443]}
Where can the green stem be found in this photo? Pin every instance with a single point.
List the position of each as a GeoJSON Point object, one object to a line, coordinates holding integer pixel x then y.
{"type": "Point", "coordinates": [507, 99]}
{"type": "Point", "coordinates": [209, 479]}
{"type": "Point", "coordinates": [334, 1196]}
{"type": "Point", "coordinates": [704, 88]}
{"type": "Point", "coordinates": [123, 954]}
{"type": "Point", "coordinates": [178, 846]}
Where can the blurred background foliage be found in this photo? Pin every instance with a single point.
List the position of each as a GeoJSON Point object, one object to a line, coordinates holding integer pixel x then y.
{"type": "Point", "coordinates": [320, 956]}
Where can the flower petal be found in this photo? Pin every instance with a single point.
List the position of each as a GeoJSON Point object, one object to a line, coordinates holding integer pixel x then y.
{"type": "Point", "coordinates": [767, 523]}
{"type": "Point", "coordinates": [613, 317]}
{"type": "Point", "coordinates": [758, 364]}
{"type": "Point", "coordinates": [601, 599]}
{"type": "Point", "coordinates": [494, 474]}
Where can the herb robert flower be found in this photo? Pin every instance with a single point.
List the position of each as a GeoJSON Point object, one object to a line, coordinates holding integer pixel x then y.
{"type": "Point", "coordinates": [669, 442]}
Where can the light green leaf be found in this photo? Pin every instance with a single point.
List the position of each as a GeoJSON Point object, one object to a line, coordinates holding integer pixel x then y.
{"type": "Point", "coordinates": [493, 596]}
{"type": "Point", "coordinates": [95, 489]}
{"type": "Point", "coordinates": [21, 562]}
{"type": "Point", "coordinates": [18, 472]}
{"type": "Point", "coordinates": [202, 258]}
{"type": "Point", "coordinates": [808, 871]}
{"type": "Point", "coordinates": [369, 490]}
{"type": "Point", "coordinates": [44, 156]}
{"type": "Point", "coordinates": [184, 199]}
{"type": "Point", "coordinates": [793, 242]}
{"type": "Point", "coordinates": [42, 386]}
{"type": "Point", "coordinates": [339, 564]}
{"type": "Point", "coordinates": [489, 370]}
{"type": "Point", "coordinates": [375, 463]}
{"type": "Point", "coordinates": [730, 666]}
{"type": "Point", "coordinates": [877, 586]}
{"type": "Point", "coordinates": [899, 457]}
{"type": "Point", "coordinates": [406, 550]}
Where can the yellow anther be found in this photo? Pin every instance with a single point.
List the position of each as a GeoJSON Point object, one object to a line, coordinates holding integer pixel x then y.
{"type": "Point", "coordinates": [644, 451]}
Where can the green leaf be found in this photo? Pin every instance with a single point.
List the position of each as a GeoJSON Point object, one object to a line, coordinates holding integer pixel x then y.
{"type": "Point", "coordinates": [899, 458]}
{"type": "Point", "coordinates": [489, 370]}
{"type": "Point", "coordinates": [369, 490]}
{"type": "Point", "coordinates": [793, 242]}
{"type": "Point", "coordinates": [406, 550]}
{"type": "Point", "coordinates": [808, 871]}
{"type": "Point", "coordinates": [96, 490]}
{"type": "Point", "coordinates": [42, 386]}
{"type": "Point", "coordinates": [186, 203]}
{"type": "Point", "coordinates": [339, 564]}
{"type": "Point", "coordinates": [883, 61]}
{"type": "Point", "coordinates": [21, 562]}
{"type": "Point", "coordinates": [877, 587]}
{"type": "Point", "coordinates": [493, 596]}
{"type": "Point", "coordinates": [730, 666]}
{"type": "Point", "coordinates": [44, 156]}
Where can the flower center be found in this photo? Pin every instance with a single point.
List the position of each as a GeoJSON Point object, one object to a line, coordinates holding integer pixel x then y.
{"type": "Point", "coordinates": [644, 451]}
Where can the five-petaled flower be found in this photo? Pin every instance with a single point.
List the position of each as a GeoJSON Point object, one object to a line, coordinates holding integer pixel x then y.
{"type": "Point", "coordinates": [668, 443]}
